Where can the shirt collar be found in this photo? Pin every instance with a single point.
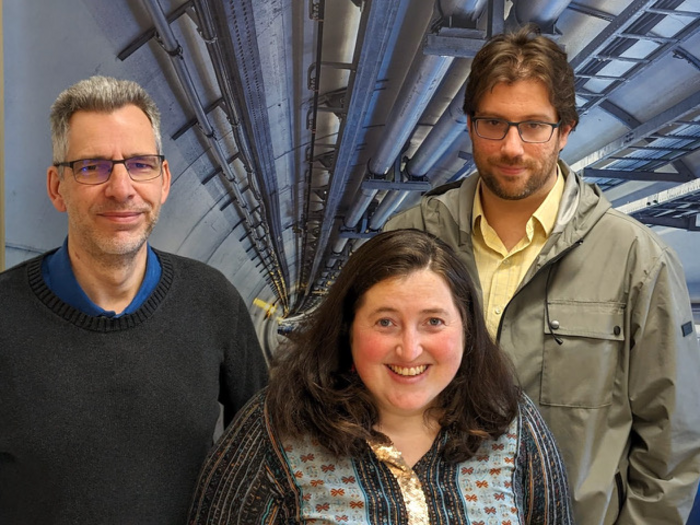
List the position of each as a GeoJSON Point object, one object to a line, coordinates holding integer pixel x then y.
{"type": "Point", "coordinates": [58, 274]}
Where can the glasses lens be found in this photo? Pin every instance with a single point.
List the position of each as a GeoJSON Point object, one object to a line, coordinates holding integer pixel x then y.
{"type": "Point", "coordinates": [491, 128]}
{"type": "Point", "coordinates": [144, 167]}
{"type": "Point", "coordinates": [92, 171]}
{"type": "Point", "coordinates": [535, 131]}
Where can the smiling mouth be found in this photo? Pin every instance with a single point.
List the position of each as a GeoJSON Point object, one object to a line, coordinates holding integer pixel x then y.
{"type": "Point", "coordinates": [408, 371]}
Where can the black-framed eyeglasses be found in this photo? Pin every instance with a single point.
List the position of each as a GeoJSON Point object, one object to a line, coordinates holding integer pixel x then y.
{"type": "Point", "coordinates": [532, 131]}
{"type": "Point", "coordinates": [97, 171]}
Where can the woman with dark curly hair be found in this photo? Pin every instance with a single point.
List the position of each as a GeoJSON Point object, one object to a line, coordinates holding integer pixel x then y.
{"type": "Point", "coordinates": [391, 406]}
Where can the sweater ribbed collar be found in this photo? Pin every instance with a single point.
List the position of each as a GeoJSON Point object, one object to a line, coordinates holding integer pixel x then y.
{"type": "Point", "coordinates": [100, 323]}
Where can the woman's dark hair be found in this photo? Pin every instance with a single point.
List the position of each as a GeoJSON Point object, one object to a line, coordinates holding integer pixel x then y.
{"type": "Point", "coordinates": [524, 55]}
{"type": "Point", "coordinates": [314, 391]}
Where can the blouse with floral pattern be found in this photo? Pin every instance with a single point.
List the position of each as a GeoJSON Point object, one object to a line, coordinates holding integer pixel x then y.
{"type": "Point", "coordinates": [252, 477]}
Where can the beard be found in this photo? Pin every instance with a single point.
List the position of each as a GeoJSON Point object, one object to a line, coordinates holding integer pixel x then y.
{"type": "Point", "coordinates": [121, 243]}
{"type": "Point", "coordinates": [539, 172]}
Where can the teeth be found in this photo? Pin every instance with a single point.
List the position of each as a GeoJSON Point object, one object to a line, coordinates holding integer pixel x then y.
{"type": "Point", "coordinates": [408, 371]}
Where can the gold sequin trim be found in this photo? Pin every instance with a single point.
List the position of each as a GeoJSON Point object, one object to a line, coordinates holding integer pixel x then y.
{"type": "Point", "coordinates": [410, 485]}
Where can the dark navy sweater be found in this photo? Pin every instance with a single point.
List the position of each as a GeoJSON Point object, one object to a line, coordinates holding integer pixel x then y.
{"type": "Point", "coordinates": [107, 421]}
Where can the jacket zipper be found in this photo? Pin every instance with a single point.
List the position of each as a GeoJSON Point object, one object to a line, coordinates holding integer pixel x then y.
{"type": "Point", "coordinates": [620, 494]}
{"type": "Point", "coordinates": [545, 265]}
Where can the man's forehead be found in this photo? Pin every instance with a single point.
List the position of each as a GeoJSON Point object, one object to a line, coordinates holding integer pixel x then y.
{"type": "Point", "coordinates": [531, 93]}
{"type": "Point", "coordinates": [133, 110]}
{"type": "Point", "coordinates": [127, 126]}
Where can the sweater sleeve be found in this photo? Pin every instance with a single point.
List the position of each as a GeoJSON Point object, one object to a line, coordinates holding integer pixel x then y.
{"type": "Point", "coordinates": [541, 472]}
{"type": "Point", "coordinates": [242, 481]}
{"type": "Point", "coordinates": [244, 370]}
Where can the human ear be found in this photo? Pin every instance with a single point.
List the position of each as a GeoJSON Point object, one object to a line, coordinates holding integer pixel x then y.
{"type": "Point", "coordinates": [54, 181]}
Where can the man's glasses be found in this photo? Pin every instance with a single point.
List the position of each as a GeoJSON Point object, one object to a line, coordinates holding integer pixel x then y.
{"type": "Point", "coordinates": [98, 171]}
{"type": "Point", "coordinates": [532, 131]}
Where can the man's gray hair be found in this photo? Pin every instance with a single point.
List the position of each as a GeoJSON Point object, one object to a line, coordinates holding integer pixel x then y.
{"type": "Point", "coordinates": [101, 94]}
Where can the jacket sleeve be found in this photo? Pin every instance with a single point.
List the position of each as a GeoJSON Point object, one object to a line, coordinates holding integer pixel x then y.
{"type": "Point", "coordinates": [664, 392]}
{"type": "Point", "coordinates": [542, 476]}
{"type": "Point", "coordinates": [244, 370]}
{"type": "Point", "coordinates": [241, 480]}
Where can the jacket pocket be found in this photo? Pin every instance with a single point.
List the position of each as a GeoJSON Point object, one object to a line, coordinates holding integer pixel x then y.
{"type": "Point", "coordinates": [582, 341]}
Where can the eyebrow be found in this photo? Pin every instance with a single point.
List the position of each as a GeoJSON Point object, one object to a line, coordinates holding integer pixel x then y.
{"type": "Point", "coordinates": [539, 118]}
{"type": "Point", "coordinates": [389, 309]}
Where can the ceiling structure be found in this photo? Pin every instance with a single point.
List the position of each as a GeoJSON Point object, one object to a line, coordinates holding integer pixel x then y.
{"type": "Point", "coordinates": [295, 128]}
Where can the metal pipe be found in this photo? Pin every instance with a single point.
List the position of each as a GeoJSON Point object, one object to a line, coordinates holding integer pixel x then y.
{"type": "Point", "coordinates": [448, 128]}
{"type": "Point", "coordinates": [446, 131]}
{"type": "Point", "coordinates": [544, 13]}
{"type": "Point", "coordinates": [172, 47]}
{"type": "Point", "coordinates": [423, 79]}
{"type": "Point", "coordinates": [377, 25]}
{"type": "Point", "coordinates": [392, 201]}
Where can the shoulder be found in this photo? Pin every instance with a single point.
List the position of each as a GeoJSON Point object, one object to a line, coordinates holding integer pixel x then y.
{"type": "Point", "coordinates": [645, 247]}
{"type": "Point", "coordinates": [248, 431]}
{"type": "Point", "coordinates": [197, 278]}
{"type": "Point", "coordinates": [187, 265]}
{"type": "Point", "coordinates": [444, 206]}
{"type": "Point", "coordinates": [253, 417]}
{"type": "Point", "coordinates": [22, 279]}
{"type": "Point", "coordinates": [21, 268]}
{"type": "Point", "coordinates": [243, 476]}
{"type": "Point", "coordinates": [531, 421]}
{"type": "Point", "coordinates": [605, 229]}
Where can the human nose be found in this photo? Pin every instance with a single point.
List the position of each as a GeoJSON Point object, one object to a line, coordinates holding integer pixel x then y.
{"type": "Point", "coordinates": [410, 346]}
{"type": "Point", "coordinates": [119, 186]}
{"type": "Point", "coordinates": [512, 144]}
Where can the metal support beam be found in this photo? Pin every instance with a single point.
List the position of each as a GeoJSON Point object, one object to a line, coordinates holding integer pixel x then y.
{"type": "Point", "coordinates": [380, 184]}
{"type": "Point", "coordinates": [496, 17]}
{"type": "Point", "coordinates": [650, 127]}
{"type": "Point", "coordinates": [679, 192]}
{"type": "Point", "coordinates": [454, 42]}
{"type": "Point", "coordinates": [376, 29]}
{"type": "Point", "coordinates": [633, 11]}
{"type": "Point", "coordinates": [682, 223]}
{"type": "Point", "coordinates": [145, 37]}
{"type": "Point", "coordinates": [235, 21]}
{"type": "Point", "coordinates": [634, 175]}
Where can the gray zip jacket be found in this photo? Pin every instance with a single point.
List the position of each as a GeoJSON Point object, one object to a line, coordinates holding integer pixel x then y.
{"type": "Point", "coordinates": [601, 333]}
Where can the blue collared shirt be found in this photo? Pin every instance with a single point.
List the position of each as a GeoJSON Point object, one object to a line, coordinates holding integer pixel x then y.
{"type": "Point", "coordinates": [58, 274]}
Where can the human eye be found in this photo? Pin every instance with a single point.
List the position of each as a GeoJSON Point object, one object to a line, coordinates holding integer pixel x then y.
{"type": "Point", "coordinates": [492, 122]}
{"type": "Point", "coordinates": [533, 125]}
{"type": "Point", "coordinates": [384, 322]}
{"type": "Point", "coordinates": [435, 322]}
{"type": "Point", "coordinates": [88, 166]}
{"type": "Point", "coordinates": [146, 163]}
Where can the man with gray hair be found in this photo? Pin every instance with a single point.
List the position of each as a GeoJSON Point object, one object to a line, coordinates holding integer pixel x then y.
{"type": "Point", "coordinates": [114, 357]}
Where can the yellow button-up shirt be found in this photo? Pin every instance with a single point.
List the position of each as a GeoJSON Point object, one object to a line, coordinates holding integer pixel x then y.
{"type": "Point", "coordinates": [501, 271]}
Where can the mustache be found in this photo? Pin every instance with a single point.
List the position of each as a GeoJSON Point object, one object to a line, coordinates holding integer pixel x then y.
{"type": "Point", "coordinates": [513, 161]}
{"type": "Point", "coordinates": [122, 209]}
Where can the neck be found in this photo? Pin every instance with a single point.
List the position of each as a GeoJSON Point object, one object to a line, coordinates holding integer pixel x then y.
{"type": "Point", "coordinates": [110, 281]}
{"type": "Point", "coordinates": [509, 218]}
{"type": "Point", "coordinates": [412, 436]}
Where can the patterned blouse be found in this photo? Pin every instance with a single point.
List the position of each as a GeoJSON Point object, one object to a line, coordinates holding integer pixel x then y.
{"type": "Point", "coordinates": [251, 477]}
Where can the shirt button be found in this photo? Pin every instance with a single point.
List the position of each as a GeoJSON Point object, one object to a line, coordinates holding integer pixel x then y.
{"type": "Point", "coordinates": [506, 262]}
{"type": "Point", "coordinates": [498, 310]}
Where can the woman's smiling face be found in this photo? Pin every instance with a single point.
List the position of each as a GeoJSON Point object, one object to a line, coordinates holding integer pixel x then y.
{"type": "Point", "coordinates": [407, 341]}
